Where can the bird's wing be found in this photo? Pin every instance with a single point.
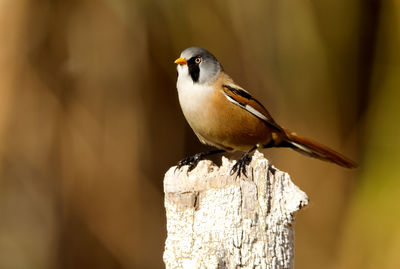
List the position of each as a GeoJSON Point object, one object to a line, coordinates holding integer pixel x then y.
{"type": "Point", "coordinates": [242, 98]}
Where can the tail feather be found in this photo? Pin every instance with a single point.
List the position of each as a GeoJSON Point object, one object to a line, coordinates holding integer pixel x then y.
{"type": "Point", "coordinates": [313, 149]}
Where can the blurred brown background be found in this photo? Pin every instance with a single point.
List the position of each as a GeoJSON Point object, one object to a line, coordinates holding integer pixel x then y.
{"type": "Point", "coordinates": [90, 122]}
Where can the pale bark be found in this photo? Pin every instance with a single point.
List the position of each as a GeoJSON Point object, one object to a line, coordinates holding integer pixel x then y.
{"type": "Point", "coordinates": [215, 220]}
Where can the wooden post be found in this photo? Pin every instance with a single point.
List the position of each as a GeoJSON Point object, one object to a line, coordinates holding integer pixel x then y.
{"type": "Point", "coordinates": [215, 220]}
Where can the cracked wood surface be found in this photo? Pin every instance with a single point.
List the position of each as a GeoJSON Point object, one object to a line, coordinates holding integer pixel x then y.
{"type": "Point", "coordinates": [215, 220]}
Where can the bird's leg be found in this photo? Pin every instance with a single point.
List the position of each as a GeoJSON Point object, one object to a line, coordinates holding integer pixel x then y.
{"type": "Point", "coordinates": [192, 161]}
{"type": "Point", "coordinates": [240, 165]}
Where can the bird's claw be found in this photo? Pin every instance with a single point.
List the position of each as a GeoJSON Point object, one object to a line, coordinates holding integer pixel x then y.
{"type": "Point", "coordinates": [191, 161]}
{"type": "Point", "coordinates": [241, 165]}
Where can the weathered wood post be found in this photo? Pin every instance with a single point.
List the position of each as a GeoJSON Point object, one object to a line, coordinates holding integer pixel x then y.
{"type": "Point", "coordinates": [215, 220]}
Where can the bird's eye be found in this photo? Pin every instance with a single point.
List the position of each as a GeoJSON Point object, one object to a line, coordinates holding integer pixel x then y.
{"type": "Point", "coordinates": [197, 60]}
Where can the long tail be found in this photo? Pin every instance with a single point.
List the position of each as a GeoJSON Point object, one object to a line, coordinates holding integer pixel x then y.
{"type": "Point", "coordinates": [313, 149]}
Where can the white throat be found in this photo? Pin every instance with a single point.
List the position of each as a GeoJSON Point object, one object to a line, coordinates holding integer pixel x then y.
{"type": "Point", "coordinates": [192, 96]}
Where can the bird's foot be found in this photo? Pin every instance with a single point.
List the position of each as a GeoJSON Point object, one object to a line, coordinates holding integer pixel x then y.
{"type": "Point", "coordinates": [241, 165]}
{"type": "Point", "coordinates": [191, 161]}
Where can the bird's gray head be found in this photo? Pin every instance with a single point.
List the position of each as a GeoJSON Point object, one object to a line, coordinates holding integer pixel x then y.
{"type": "Point", "coordinates": [199, 64]}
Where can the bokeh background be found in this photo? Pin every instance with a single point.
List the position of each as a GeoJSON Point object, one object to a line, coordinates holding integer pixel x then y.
{"type": "Point", "coordinates": [90, 122]}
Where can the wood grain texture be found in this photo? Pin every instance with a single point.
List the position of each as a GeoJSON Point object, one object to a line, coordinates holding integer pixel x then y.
{"type": "Point", "coordinates": [217, 221]}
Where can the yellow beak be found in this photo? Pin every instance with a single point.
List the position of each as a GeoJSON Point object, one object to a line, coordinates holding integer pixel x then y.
{"type": "Point", "coordinates": [181, 61]}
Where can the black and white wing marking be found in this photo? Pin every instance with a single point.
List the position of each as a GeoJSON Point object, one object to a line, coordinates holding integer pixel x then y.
{"type": "Point", "coordinates": [243, 99]}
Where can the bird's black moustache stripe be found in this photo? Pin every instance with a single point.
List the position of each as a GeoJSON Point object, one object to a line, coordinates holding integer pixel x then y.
{"type": "Point", "coordinates": [194, 69]}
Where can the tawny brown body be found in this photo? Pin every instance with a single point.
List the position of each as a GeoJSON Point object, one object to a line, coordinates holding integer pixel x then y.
{"type": "Point", "coordinates": [225, 125]}
{"type": "Point", "coordinates": [224, 115]}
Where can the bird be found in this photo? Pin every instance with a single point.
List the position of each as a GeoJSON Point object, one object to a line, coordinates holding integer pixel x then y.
{"type": "Point", "coordinates": [224, 115]}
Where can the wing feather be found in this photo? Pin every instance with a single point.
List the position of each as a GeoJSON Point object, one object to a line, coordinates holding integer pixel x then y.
{"type": "Point", "coordinates": [244, 100]}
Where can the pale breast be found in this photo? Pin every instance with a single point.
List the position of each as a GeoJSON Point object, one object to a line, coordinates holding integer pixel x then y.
{"type": "Point", "coordinates": [192, 98]}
